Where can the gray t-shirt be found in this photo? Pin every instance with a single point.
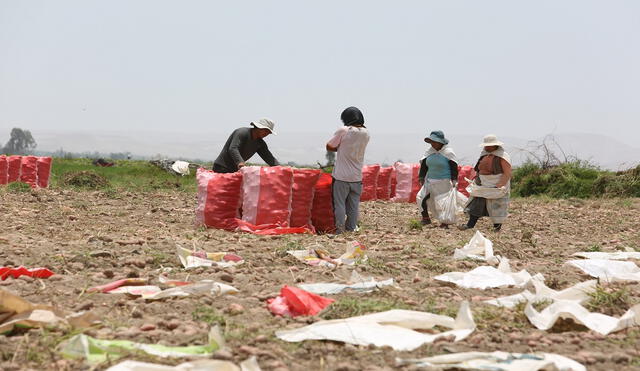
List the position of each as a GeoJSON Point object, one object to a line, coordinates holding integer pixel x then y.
{"type": "Point", "coordinates": [351, 142]}
{"type": "Point", "coordinates": [239, 148]}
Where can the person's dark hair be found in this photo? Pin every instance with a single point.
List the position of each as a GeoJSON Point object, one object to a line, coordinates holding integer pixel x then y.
{"type": "Point", "coordinates": [352, 116]}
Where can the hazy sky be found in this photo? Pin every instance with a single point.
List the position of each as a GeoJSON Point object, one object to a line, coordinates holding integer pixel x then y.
{"type": "Point", "coordinates": [516, 68]}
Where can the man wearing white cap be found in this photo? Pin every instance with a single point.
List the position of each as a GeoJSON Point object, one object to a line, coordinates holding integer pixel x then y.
{"type": "Point", "coordinates": [242, 144]}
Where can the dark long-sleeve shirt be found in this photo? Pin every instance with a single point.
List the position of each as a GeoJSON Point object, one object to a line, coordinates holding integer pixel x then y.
{"type": "Point", "coordinates": [240, 147]}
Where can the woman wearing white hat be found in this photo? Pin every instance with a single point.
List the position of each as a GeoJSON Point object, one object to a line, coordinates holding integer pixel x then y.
{"type": "Point", "coordinates": [494, 171]}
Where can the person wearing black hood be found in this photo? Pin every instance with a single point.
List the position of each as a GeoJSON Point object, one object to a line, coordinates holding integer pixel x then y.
{"type": "Point", "coordinates": [350, 143]}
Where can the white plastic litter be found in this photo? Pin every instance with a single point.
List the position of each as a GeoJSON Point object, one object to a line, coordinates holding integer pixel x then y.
{"type": "Point", "coordinates": [618, 255]}
{"type": "Point", "coordinates": [485, 277]}
{"type": "Point", "coordinates": [181, 167]}
{"type": "Point", "coordinates": [478, 248]}
{"type": "Point", "coordinates": [496, 361]}
{"type": "Point", "coordinates": [608, 270]}
{"type": "Point", "coordinates": [156, 293]}
{"type": "Point", "coordinates": [357, 283]}
{"type": "Point", "coordinates": [578, 293]}
{"type": "Point", "coordinates": [189, 260]}
{"type": "Point", "coordinates": [394, 328]}
{"type": "Point", "coordinates": [250, 364]}
{"type": "Point", "coordinates": [598, 322]}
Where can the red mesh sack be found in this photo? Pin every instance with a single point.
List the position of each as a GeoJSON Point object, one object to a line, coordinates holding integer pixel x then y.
{"type": "Point", "coordinates": [383, 190]}
{"type": "Point", "coordinates": [44, 171]}
{"type": "Point", "coordinates": [3, 169]}
{"type": "Point", "coordinates": [219, 199]}
{"type": "Point", "coordinates": [464, 173]}
{"type": "Point", "coordinates": [322, 216]}
{"type": "Point", "coordinates": [304, 182]}
{"type": "Point", "coordinates": [28, 172]}
{"type": "Point", "coordinates": [394, 183]}
{"type": "Point", "coordinates": [267, 195]}
{"type": "Point", "coordinates": [407, 186]}
{"type": "Point", "coordinates": [369, 182]}
{"type": "Point", "coordinates": [13, 168]}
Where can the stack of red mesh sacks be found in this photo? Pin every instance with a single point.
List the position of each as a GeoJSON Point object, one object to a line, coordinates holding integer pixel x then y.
{"type": "Point", "coordinates": [32, 170]}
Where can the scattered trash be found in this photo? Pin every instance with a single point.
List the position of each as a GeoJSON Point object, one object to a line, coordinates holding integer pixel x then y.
{"type": "Point", "coordinates": [395, 328]}
{"type": "Point", "coordinates": [250, 364]}
{"type": "Point", "coordinates": [478, 248]}
{"type": "Point", "coordinates": [156, 293]}
{"type": "Point", "coordinates": [485, 277]}
{"type": "Point", "coordinates": [608, 270]}
{"type": "Point", "coordinates": [115, 284]}
{"type": "Point", "coordinates": [618, 255]}
{"type": "Point", "coordinates": [18, 312]}
{"type": "Point", "coordinates": [318, 256]}
{"type": "Point", "coordinates": [294, 302]}
{"type": "Point", "coordinates": [102, 163]}
{"type": "Point", "coordinates": [598, 322]}
{"type": "Point", "coordinates": [357, 283]}
{"type": "Point", "coordinates": [578, 293]}
{"type": "Point", "coordinates": [180, 168]}
{"type": "Point", "coordinates": [496, 361]}
{"type": "Point", "coordinates": [97, 350]}
{"type": "Point", "coordinates": [194, 259]}
{"type": "Point", "coordinates": [6, 272]}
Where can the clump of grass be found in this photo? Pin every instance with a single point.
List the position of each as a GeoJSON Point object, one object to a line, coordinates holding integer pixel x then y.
{"type": "Point", "coordinates": [433, 266]}
{"type": "Point", "coordinates": [350, 307]}
{"type": "Point", "coordinates": [84, 179]}
{"type": "Point", "coordinates": [208, 315]}
{"type": "Point", "coordinates": [611, 300]}
{"type": "Point", "coordinates": [415, 225]}
{"type": "Point", "coordinates": [594, 248]}
{"type": "Point", "coordinates": [18, 187]}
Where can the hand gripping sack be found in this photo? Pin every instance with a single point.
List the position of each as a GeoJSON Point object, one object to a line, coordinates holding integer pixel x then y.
{"type": "Point", "coordinates": [322, 216]}
{"type": "Point", "coordinates": [464, 173]}
{"type": "Point", "coordinates": [369, 182]}
{"type": "Point", "coordinates": [28, 172]}
{"type": "Point", "coordinates": [219, 199]}
{"type": "Point", "coordinates": [14, 163]}
{"type": "Point", "coordinates": [267, 195]}
{"type": "Point", "coordinates": [383, 191]}
{"type": "Point", "coordinates": [3, 169]}
{"type": "Point", "coordinates": [304, 183]}
{"type": "Point", "coordinates": [44, 171]}
{"type": "Point", "coordinates": [407, 185]}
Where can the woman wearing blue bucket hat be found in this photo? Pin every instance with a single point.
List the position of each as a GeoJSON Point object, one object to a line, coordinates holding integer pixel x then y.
{"type": "Point", "coordinates": [438, 175]}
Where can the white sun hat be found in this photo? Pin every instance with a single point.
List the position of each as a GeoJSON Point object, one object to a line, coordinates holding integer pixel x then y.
{"type": "Point", "coordinates": [490, 140]}
{"type": "Point", "coordinates": [265, 123]}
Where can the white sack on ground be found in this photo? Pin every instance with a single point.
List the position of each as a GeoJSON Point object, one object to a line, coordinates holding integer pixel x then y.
{"type": "Point", "coordinates": [608, 270]}
{"type": "Point", "coordinates": [478, 248]}
{"type": "Point", "coordinates": [485, 277]}
{"type": "Point", "coordinates": [394, 328]}
{"type": "Point", "coordinates": [496, 361]}
{"type": "Point", "coordinates": [598, 322]}
{"type": "Point", "coordinates": [156, 293]}
{"type": "Point", "coordinates": [618, 255]}
{"type": "Point", "coordinates": [356, 283]}
{"type": "Point", "coordinates": [578, 293]}
{"type": "Point", "coordinates": [201, 365]}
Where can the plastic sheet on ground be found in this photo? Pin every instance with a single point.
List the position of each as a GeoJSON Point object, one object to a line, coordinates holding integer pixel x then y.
{"type": "Point", "coordinates": [598, 322]}
{"type": "Point", "coordinates": [6, 272]}
{"type": "Point", "coordinates": [496, 361]}
{"type": "Point", "coordinates": [97, 350]}
{"type": "Point", "coordinates": [250, 364]}
{"type": "Point", "coordinates": [478, 248]}
{"type": "Point", "coordinates": [194, 259]}
{"type": "Point", "coordinates": [485, 277]}
{"type": "Point", "coordinates": [318, 256]}
{"type": "Point", "coordinates": [394, 328]}
{"type": "Point", "coordinates": [578, 293]}
{"type": "Point", "coordinates": [272, 229]}
{"type": "Point", "coordinates": [356, 283]}
{"type": "Point", "coordinates": [156, 293]}
{"type": "Point", "coordinates": [294, 302]}
{"type": "Point", "coordinates": [618, 255]}
{"type": "Point", "coordinates": [608, 270]}
{"type": "Point", "coordinates": [18, 312]}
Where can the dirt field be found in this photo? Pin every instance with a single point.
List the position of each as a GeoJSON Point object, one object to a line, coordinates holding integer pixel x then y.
{"type": "Point", "coordinates": [92, 238]}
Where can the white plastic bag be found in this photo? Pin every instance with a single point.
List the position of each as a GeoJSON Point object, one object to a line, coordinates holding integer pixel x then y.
{"type": "Point", "coordinates": [447, 206]}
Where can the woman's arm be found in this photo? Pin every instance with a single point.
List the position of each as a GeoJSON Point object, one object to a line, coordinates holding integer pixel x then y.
{"type": "Point", "coordinates": [506, 173]}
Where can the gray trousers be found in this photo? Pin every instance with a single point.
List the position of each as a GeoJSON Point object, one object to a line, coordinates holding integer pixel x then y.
{"type": "Point", "coordinates": [346, 204]}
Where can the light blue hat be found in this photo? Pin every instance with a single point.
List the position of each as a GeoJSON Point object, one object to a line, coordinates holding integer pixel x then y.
{"type": "Point", "coordinates": [437, 136]}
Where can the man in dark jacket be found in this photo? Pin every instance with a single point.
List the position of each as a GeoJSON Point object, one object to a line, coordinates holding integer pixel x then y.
{"type": "Point", "coordinates": [244, 143]}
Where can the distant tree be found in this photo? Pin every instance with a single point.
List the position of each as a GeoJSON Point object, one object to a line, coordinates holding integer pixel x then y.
{"type": "Point", "coordinates": [21, 142]}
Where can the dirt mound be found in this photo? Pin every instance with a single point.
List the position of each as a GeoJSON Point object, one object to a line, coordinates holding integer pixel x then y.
{"type": "Point", "coordinates": [84, 179]}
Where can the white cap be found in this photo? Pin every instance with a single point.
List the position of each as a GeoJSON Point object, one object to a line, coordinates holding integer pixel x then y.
{"type": "Point", "coordinates": [265, 123]}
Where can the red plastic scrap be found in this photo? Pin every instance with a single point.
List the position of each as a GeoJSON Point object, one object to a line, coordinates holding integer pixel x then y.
{"type": "Point", "coordinates": [272, 229]}
{"type": "Point", "coordinates": [115, 284]}
{"type": "Point", "coordinates": [295, 302]}
{"type": "Point", "coordinates": [5, 272]}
